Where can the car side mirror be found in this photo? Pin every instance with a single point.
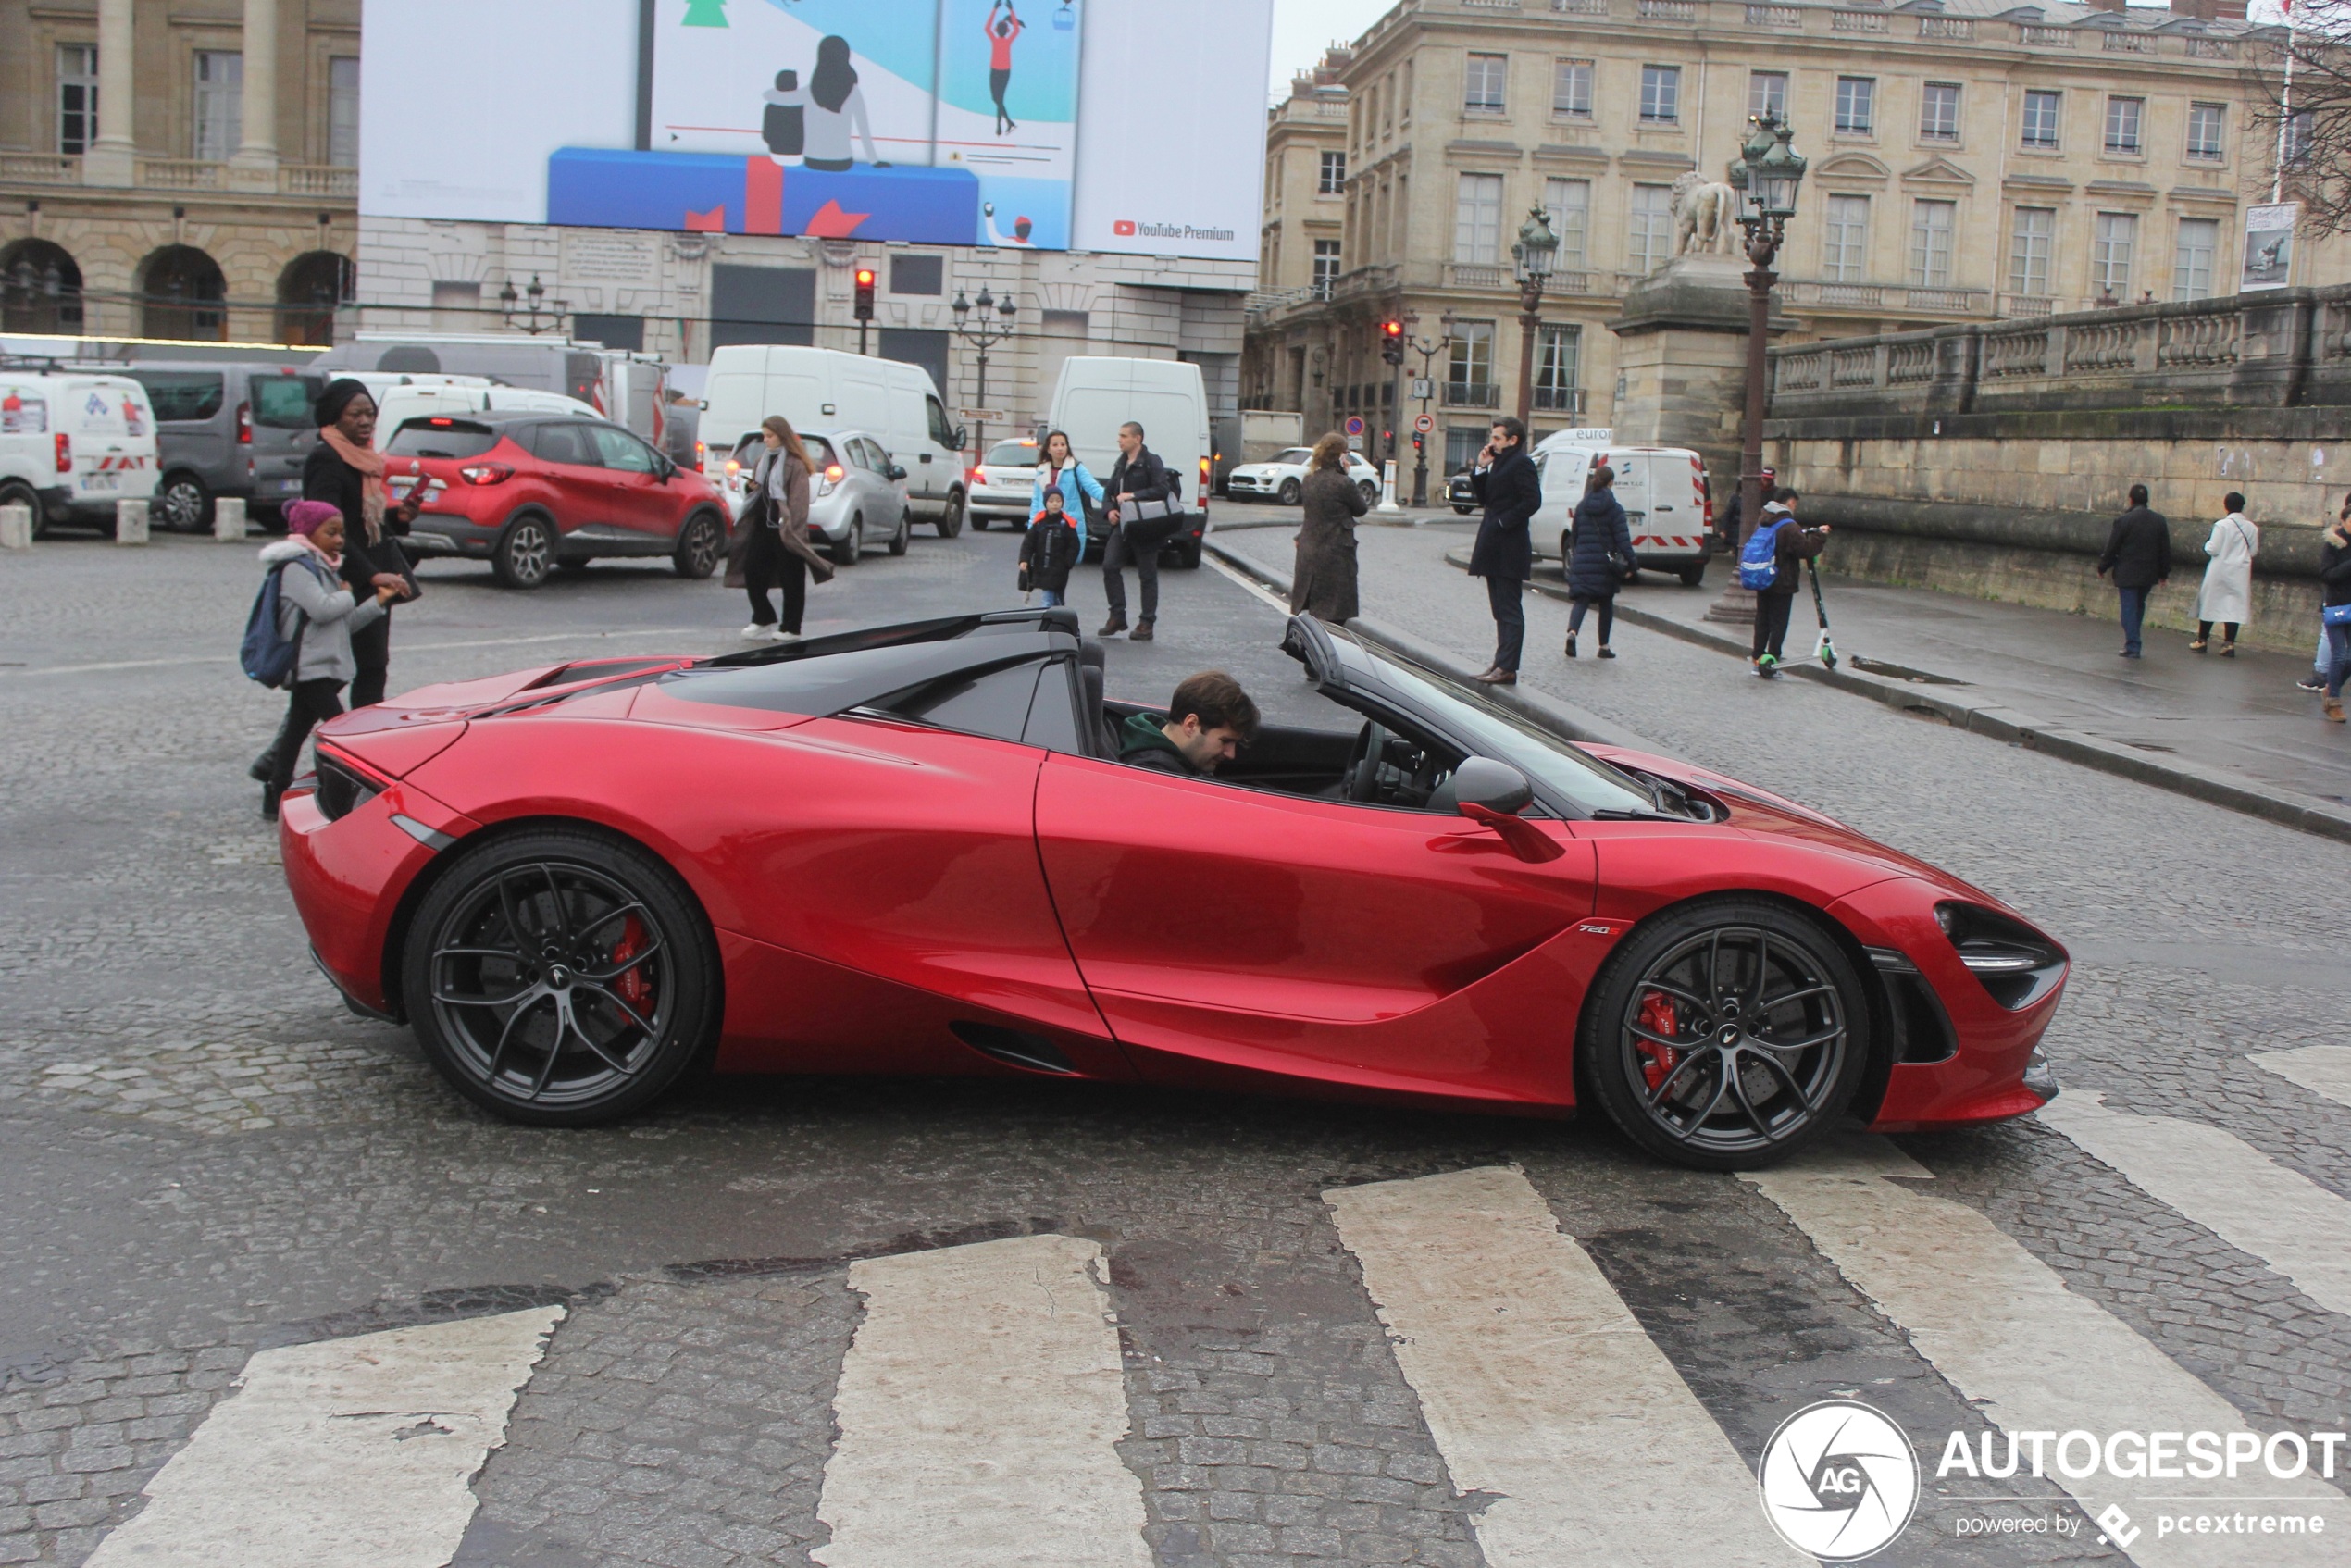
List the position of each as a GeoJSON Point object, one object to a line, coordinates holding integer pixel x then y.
{"type": "Point", "coordinates": [1491, 794]}
{"type": "Point", "coordinates": [893, 472]}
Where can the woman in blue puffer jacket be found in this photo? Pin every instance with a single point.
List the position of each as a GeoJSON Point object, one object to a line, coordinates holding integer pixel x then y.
{"type": "Point", "coordinates": [1600, 547]}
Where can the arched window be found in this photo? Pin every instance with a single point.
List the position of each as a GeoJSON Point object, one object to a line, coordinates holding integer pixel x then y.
{"type": "Point", "coordinates": [181, 294]}
{"type": "Point", "coordinates": [40, 289]}
{"type": "Point", "coordinates": [309, 291]}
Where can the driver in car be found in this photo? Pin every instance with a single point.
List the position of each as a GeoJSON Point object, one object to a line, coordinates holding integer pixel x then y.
{"type": "Point", "coordinates": [1205, 723]}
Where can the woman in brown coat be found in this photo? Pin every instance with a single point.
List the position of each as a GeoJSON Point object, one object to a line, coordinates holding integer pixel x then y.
{"type": "Point", "coordinates": [771, 548]}
{"type": "Point", "coordinates": [1323, 585]}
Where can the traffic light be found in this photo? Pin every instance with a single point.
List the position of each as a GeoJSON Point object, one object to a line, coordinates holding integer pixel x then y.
{"type": "Point", "coordinates": [864, 311]}
{"type": "Point", "coordinates": [1392, 342]}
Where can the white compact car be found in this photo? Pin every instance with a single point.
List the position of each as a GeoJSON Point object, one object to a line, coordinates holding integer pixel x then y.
{"type": "Point", "coordinates": [856, 497]}
{"type": "Point", "coordinates": [1282, 476]}
{"type": "Point", "coordinates": [1003, 483]}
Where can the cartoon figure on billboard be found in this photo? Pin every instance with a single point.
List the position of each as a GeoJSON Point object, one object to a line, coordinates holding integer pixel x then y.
{"type": "Point", "coordinates": [1000, 33]}
{"type": "Point", "coordinates": [813, 128]}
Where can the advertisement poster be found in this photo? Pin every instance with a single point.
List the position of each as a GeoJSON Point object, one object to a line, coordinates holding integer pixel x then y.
{"type": "Point", "coordinates": [2268, 245]}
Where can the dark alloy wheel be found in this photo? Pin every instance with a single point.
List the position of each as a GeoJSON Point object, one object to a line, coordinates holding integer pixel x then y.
{"type": "Point", "coordinates": [1370, 491]}
{"type": "Point", "coordinates": [1288, 495]}
{"type": "Point", "coordinates": [905, 534]}
{"type": "Point", "coordinates": [561, 979]}
{"type": "Point", "coordinates": [1726, 1035]}
{"type": "Point", "coordinates": [951, 521]}
{"type": "Point", "coordinates": [525, 553]}
{"type": "Point", "coordinates": [182, 503]}
{"type": "Point", "coordinates": [700, 543]}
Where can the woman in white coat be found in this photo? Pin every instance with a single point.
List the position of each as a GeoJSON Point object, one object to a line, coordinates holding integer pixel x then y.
{"type": "Point", "coordinates": [2226, 595]}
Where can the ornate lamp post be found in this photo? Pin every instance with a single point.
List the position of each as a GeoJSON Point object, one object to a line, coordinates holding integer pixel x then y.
{"type": "Point", "coordinates": [1533, 255]}
{"type": "Point", "coordinates": [534, 315]}
{"type": "Point", "coordinates": [1766, 175]}
{"type": "Point", "coordinates": [992, 326]}
{"type": "Point", "coordinates": [1428, 349]}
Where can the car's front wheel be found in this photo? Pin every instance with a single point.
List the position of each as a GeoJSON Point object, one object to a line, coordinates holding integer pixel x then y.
{"type": "Point", "coordinates": [905, 534]}
{"type": "Point", "coordinates": [1370, 491]}
{"type": "Point", "coordinates": [525, 553]}
{"type": "Point", "coordinates": [182, 503]}
{"type": "Point", "coordinates": [1694, 577]}
{"type": "Point", "coordinates": [951, 521]}
{"type": "Point", "coordinates": [561, 979]}
{"type": "Point", "coordinates": [700, 543]}
{"type": "Point", "coordinates": [1726, 1035]}
{"type": "Point", "coordinates": [1288, 495]}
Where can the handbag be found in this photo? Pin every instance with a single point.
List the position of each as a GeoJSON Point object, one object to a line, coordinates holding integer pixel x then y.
{"type": "Point", "coordinates": [1150, 511]}
{"type": "Point", "coordinates": [2336, 614]}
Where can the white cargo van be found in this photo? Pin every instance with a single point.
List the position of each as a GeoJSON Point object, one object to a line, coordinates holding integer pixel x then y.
{"type": "Point", "coordinates": [1096, 393]}
{"type": "Point", "coordinates": [823, 389]}
{"type": "Point", "coordinates": [1662, 489]}
{"type": "Point", "coordinates": [73, 443]}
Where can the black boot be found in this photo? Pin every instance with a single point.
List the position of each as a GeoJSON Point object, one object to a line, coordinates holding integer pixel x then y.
{"type": "Point", "coordinates": [263, 765]}
{"type": "Point", "coordinates": [268, 802]}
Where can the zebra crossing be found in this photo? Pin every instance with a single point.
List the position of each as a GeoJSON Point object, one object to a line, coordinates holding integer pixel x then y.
{"type": "Point", "coordinates": [982, 1402]}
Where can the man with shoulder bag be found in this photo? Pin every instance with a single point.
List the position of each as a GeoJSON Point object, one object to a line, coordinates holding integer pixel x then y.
{"type": "Point", "coordinates": [1145, 508]}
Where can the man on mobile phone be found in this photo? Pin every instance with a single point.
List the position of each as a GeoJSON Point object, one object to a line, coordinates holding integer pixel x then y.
{"type": "Point", "coordinates": [1506, 484]}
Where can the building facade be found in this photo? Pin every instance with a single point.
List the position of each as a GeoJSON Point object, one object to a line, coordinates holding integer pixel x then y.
{"type": "Point", "coordinates": [1969, 161]}
{"type": "Point", "coordinates": [178, 169]}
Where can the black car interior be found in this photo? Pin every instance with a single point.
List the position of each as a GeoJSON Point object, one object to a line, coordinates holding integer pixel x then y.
{"type": "Point", "coordinates": [1374, 765]}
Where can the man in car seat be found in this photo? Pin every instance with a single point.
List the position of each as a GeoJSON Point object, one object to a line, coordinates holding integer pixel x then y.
{"type": "Point", "coordinates": [1205, 723]}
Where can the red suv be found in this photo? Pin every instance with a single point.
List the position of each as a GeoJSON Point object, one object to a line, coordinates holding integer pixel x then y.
{"type": "Point", "coordinates": [529, 492]}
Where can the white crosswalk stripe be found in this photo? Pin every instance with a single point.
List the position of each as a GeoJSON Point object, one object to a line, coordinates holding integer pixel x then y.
{"type": "Point", "coordinates": [980, 1407]}
{"type": "Point", "coordinates": [2224, 1184]}
{"type": "Point", "coordinates": [1538, 1385]}
{"type": "Point", "coordinates": [2321, 1069]}
{"type": "Point", "coordinates": [2036, 1357]}
{"type": "Point", "coordinates": [346, 1454]}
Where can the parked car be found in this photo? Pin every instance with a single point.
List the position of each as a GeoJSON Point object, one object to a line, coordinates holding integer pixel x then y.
{"type": "Point", "coordinates": [241, 429]}
{"type": "Point", "coordinates": [1282, 476]}
{"type": "Point", "coordinates": [73, 443]}
{"type": "Point", "coordinates": [1458, 493]}
{"type": "Point", "coordinates": [855, 492]}
{"type": "Point", "coordinates": [821, 389]}
{"type": "Point", "coordinates": [1004, 480]}
{"type": "Point", "coordinates": [1096, 393]}
{"type": "Point", "coordinates": [528, 491]}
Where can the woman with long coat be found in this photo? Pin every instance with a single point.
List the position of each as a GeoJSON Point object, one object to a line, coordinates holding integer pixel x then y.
{"type": "Point", "coordinates": [1600, 543]}
{"type": "Point", "coordinates": [771, 548]}
{"type": "Point", "coordinates": [2226, 597]}
{"type": "Point", "coordinates": [1323, 583]}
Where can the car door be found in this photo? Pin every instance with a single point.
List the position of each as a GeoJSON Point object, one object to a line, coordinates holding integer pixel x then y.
{"type": "Point", "coordinates": [1228, 932]}
{"type": "Point", "coordinates": [876, 497]}
{"type": "Point", "coordinates": [573, 474]}
{"type": "Point", "coordinates": [640, 505]}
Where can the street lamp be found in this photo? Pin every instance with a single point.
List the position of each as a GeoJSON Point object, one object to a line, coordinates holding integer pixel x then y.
{"type": "Point", "coordinates": [1766, 175]}
{"type": "Point", "coordinates": [1428, 349]}
{"type": "Point", "coordinates": [983, 323]}
{"type": "Point", "coordinates": [1533, 255]}
{"type": "Point", "coordinates": [531, 307]}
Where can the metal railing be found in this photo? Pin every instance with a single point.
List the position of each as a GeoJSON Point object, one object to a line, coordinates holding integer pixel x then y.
{"type": "Point", "coordinates": [1470, 394]}
{"type": "Point", "coordinates": [1559, 400]}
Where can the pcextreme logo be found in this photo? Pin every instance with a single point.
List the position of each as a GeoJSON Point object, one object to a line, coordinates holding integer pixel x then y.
{"type": "Point", "coordinates": [1839, 1480]}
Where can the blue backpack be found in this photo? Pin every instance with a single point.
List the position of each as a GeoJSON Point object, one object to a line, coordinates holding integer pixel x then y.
{"type": "Point", "coordinates": [268, 655]}
{"type": "Point", "coordinates": [1757, 565]}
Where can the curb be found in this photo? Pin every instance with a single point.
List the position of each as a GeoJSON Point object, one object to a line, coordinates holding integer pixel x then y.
{"type": "Point", "coordinates": [1565, 718]}
{"type": "Point", "coordinates": [2288, 808]}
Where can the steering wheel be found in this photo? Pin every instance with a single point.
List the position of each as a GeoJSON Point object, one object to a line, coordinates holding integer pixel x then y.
{"type": "Point", "coordinates": [1364, 765]}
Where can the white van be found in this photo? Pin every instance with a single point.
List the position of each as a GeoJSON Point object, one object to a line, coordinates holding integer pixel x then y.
{"type": "Point", "coordinates": [1662, 489]}
{"type": "Point", "coordinates": [401, 398]}
{"type": "Point", "coordinates": [823, 389]}
{"type": "Point", "coordinates": [1096, 393]}
{"type": "Point", "coordinates": [73, 443]}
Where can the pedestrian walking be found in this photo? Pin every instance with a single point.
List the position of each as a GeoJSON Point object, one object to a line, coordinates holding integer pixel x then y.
{"type": "Point", "coordinates": [1507, 486]}
{"type": "Point", "coordinates": [2226, 598]}
{"type": "Point", "coordinates": [1081, 491]}
{"type": "Point", "coordinates": [1771, 563]}
{"type": "Point", "coordinates": [1323, 579]}
{"type": "Point", "coordinates": [771, 548]}
{"type": "Point", "coordinates": [318, 613]}
{"type": "Point", "coordinates": [1051, 550]}
{"type": "Point", "coordinates": [2138, 552]}
{"type": "Point", "coordinates": [346, 470]}
{"type": "Point", "coordinates": [1145, 511]}
{"type": "Point", "coordinates": [1599, 557]}
{"type": "Point", "coordinates": [2334, 592]}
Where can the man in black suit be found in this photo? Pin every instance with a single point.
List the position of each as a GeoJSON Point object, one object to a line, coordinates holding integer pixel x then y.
{"type": "Point", "coordinates": [1507, 487]}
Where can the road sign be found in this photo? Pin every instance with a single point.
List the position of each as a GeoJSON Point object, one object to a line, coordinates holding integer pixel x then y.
{"type": "Point", "coordinates": [1354, 426]}
{"type": "Point", "coordinates": [1423, 388]}
{"type": "Point", "coordinates": [984, 415]}
{"type": "Point", "coordinates": [1425, 423]}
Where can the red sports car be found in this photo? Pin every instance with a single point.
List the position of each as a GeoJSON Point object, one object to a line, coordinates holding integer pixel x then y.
{"type": "Point", "coordinates": [914, 850]}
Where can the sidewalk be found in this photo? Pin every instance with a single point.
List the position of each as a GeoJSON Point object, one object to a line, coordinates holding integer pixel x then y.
{"type": "Point", "coordinates": [2233, 731]}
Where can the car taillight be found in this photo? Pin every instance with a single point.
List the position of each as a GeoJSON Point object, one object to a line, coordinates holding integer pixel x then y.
{"type": "Point", "coordinates": [701, 450]}
{"type": "Point", "coordinates": [485, 473]}
{"type": "Point", "coordinates": [973, 476]}
{"type": "Point", "coordinates": [244, 424]}
{"type": "Point", "coordinates": [64, 453]}
{"type": "Point", "coordinates": [832, 472]}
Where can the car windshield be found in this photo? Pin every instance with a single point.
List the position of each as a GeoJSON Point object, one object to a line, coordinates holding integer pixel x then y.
{"type": "Point", "coordinates": [1013, 454]}
{"type": "Point", "coordinates": [1295, 454]}
{"type": "Point", "coordinates": [1591, 784]}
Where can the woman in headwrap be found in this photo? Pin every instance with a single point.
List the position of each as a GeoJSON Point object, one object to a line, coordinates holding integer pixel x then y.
{"type": "Point", "coordinates": [346, 469]}
{"type": "Point", "coordinates": [325, 619]}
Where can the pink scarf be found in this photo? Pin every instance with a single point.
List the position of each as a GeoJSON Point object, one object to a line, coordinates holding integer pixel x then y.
{"type": "Point", "coordinates": [370, 464]}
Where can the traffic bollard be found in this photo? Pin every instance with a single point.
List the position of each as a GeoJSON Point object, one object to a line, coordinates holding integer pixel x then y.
{"type": "Point", "coordinates": [16, 527]}
{"type": "Point", "coordinates": [131, 522]}
{"type": "Point", "coordinates": [229, 518]}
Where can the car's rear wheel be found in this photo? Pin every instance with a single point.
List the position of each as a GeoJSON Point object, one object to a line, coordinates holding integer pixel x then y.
{"type": "Point", "coordinates": [1370, 491]}
{"type": "Point", "coordinates": [182, 503]}
{"type": "Point", "coordinates": [561, 979]}
{"type": "Point", "coordinates": [1694, 577]}
{"type": "Point", "coordinates": [951, 521]}
{"type": "Point", "coordinates": [905, 534]}
{"type": "Point", "coordinates": [1188, 554]}
{"type": "Point", "coordinates": [700, 543]}
{"type": "Point", "coordinates": [1726, 1035]}
{"type": "Point", "coordinates": [846, 550]}
{"type": "Point", "coordinates": [525, 553]}
{"type": "Point", "coordinates": [1288, 495]}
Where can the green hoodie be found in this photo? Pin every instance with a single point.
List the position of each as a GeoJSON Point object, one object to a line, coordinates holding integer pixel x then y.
{"type": "Point", "coordinates": [1143, 742]}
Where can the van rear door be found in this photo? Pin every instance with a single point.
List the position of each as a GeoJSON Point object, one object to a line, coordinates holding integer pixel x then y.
{"type": "Point", "coordinates": [285, 430]}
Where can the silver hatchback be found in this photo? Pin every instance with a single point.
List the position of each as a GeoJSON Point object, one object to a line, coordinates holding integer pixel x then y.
{"type": "Point", "coordinates": [856, 497]}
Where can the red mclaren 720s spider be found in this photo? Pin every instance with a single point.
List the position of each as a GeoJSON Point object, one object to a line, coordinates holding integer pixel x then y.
{"type": "Point", "coordinates": [912, 849]}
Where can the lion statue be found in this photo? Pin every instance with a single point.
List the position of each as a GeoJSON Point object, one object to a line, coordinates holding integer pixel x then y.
{"type": "Point", "coordinates": [1705, 217]}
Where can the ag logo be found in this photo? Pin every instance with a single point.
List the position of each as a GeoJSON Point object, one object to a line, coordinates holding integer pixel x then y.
{"type": "Point", "coordinates": [1839, 1480]}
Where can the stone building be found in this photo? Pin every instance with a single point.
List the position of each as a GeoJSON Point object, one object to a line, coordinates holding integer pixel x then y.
{"type": "Point", "coordinates": [178, 169]}
{"type": "Point", "coordinates": [1970, 160]}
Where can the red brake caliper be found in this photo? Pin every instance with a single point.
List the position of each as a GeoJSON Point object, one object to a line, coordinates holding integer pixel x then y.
{"type": "Point", "coordinates": [631, 987]}
{"type": "Point", "coordinates": [1659, 1016]}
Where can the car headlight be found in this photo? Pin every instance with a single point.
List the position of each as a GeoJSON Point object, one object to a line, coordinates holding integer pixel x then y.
{"type": "Point", "coordinates": [2014, 963]}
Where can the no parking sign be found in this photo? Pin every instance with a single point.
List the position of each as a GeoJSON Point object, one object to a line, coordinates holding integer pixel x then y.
{"type": "Point", "coordinates": [1354, 426]}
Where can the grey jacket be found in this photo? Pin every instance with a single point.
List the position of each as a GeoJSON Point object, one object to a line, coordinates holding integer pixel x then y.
{"type": "Point", "coordinates": [313, 604]}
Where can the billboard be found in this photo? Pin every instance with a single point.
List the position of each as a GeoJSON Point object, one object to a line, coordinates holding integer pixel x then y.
{"type": "Point", "coordinates": [1086, 124]}
{"type": "Point", "coordinates": [2268, 245]}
